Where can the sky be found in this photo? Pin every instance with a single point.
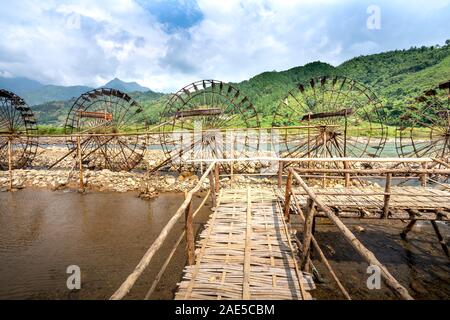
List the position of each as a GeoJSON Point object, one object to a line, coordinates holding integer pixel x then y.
{"type": "Point", "coordinates": [165, 45]}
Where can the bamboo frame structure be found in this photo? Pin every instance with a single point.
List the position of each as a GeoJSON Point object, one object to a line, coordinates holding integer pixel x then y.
{"type": "Point", "coordinates": [359, 247]}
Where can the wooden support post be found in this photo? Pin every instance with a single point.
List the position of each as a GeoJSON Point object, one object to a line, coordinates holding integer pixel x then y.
{"type": "Point", "coordinates": [216, 177]}
{"type": "Point", "coordinates": [407, 229]}
{"type": "Point", "coordinates": [189, 227]}
{"type": "Point", "coordinates": [321, 254]}
{"type": "Point", "coordinates": [424, 176]}
{"type": "Point", "coordinates": [212, 187]}
{"type": "Point", "coordinates": [307, 235]}
{"type": "Point", "coordinates": [280, 173]}
{"type": "Point", "coordinates": [80, 163]}
{"type": "Point", "coordinates": [10, 164]}
{"type": "Point", "coordinates": [324, 138]}
{"type": "Point", "coordinates": [440, 238]}
{"type": "Point", "coordinates": [287, 196]}
{"type": "Point", "coordinates": [231, 173]}
{"type": "Point", "coordinates": [387, 195]}
{"type": "Point", "coordinates": [347, 174]}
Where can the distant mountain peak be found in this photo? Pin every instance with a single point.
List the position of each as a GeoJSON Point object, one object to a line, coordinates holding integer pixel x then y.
{"type": "Point", "coordinates": [118, 84]}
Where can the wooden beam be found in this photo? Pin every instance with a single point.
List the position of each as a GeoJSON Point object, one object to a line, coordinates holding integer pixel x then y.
{"type": "Point", "coordinates": [307, 234]}
{"type": "Point", "coordinates": [80, 163]}
{"type": "Point", "coordinates": [440, 238]}
{"type": "Point", "coordinates": [387, 195]}
{"type": "Point", "coordinates": [407, 229]}
{"type": "Point", "coordinates": [347, 174]}
{"type": "Point", "coordinates": [287, 196]}
{"type": "Point", "coordinates": [212, 188]}
{"type": "Point", "coordinates": [189, 228]}
{"type": "Point", "coordinates": [217, 177]}
{"type": "Point", "coordinates": [10, 164]}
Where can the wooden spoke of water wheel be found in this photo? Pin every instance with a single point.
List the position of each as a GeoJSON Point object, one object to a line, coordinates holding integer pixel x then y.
{"type": "Point", "coordinates": [197, 118]}
{"type": "Point", "coordinates": [17, 125]}
{"type": "Point", "coordinates": [108, 112]}
{"type": "Point", "coordinates": [425, 126]}
{"type": "Point", "coordinates": [340, 118]}
{"type": "Point", "coordinates": [424, 129]}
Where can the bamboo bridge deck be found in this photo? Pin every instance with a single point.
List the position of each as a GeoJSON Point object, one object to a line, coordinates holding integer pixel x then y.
{"type": "Point", "coordinates": [246, 251]}
{"type": "Point", "coordinates": [418, 203]}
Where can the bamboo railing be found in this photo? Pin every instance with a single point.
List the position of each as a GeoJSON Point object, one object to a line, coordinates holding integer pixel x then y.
{"type": "Point", "coordinates": [186, 208]}
{"type": "Point", "coordinates": [314, 202]}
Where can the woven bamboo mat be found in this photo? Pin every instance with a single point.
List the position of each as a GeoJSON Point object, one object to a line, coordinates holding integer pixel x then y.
{"type": "Point", "coordinates": [245, 252]}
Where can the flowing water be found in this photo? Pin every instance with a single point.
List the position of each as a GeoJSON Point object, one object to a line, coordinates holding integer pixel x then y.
{"type": "Point", "coordinates": [106, 234]}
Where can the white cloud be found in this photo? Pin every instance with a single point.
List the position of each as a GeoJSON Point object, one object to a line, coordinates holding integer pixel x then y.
{"type": "Point", "coordinates": [90, 42]}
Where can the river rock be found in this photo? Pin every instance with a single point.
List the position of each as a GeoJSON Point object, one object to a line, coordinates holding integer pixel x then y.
{"type": "Point", "coordinates": [170, 180]}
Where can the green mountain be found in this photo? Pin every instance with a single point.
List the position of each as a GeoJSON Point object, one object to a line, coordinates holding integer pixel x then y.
{"type": "Point", "coordinates": [53, 93]}
{"type": "Point", "coordinates": [125, 86]}
{"type": "Point", "coordinates": [19, 85]}
{"type": "Point", "coordinates": [36, 93]}
{"type": "Point", "coordinates": [395, 77]}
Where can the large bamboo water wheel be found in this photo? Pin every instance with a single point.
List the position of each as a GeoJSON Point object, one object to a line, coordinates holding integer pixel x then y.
{"type": "Point", "coordinates": [196, 118]}
{"type": "Point", "coordinates": [425, 127]}
{"type": "Point", "coordinates": [18, 131]}
{"type": "Point", "coordinates": [98, 116]}
{"type": "Point", "coordinates": [330, 117]}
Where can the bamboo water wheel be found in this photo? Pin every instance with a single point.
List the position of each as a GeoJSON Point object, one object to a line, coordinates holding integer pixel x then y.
{"type": "Point", "coordinates": [425, 126]}
{"type": "Point", "coordinates": [98, 116]}
{"type": "Point", "coordinates": [196, 119]}
{"type": "Point", "coordinates": [330, 117]}
{"type": "Point", "coordinates": [18, 129]}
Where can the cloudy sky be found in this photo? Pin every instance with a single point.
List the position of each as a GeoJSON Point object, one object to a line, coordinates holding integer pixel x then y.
{"type": "Point", "coordinates": [165, 45]}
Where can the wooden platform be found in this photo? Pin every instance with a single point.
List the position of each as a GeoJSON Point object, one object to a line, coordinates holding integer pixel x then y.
{"type": "Point", "coordinates": [406, 203]}
{"type": "Point", "coordinates": [246, 251]}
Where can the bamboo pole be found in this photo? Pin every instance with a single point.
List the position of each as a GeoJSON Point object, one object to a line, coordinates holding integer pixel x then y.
{"type": "Point", "coordinates": [212, 187]}
{"type": "Point", "coordinates": [189, 228]}
{"type": "Point", "coordinates": [10, 164]}
{"type": "Point", "coordinates": [174, 249]}
{"type": "Point", "coordinates": [387, 195]}
{"type": "Point", "coordinates": [440, 238]}
{"type": "Point", "coordinates": [374, 171]}
{"type": "Point", "coordinates": [333, 159]}
{"type": "Point", "coordinates": [362, 250]}
{"type": "Point", "coordinates": [287, 196]}
{"type": "Point", "coordinates": [423, 177]}
{"type": "Point", "coordinates": [156, 245]}
{"type": "Point", "coordinates": [320, 252]}
{"type": "Point", "coordinates": [407, 229]}
{"type": "Point", "coordinates": [324, 138]}
{"type": "Point", "coordinates": [217, 177]}
{"type": "Point", "coordinates": [80, 163]}
{"type": "Point", "coordinates": [307, 235]}
{"type": "Point", "coordinates": [347, 174]}
{"type": "Point", "coordinates": [280, 174]}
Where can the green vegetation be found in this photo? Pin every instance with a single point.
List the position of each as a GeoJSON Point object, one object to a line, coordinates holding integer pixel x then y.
{"type": "Point", "coordinates": [395, 77]}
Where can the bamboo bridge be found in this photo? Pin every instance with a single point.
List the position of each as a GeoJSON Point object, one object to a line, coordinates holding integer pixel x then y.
{"type": "Point", "coordinates": [248, 249]}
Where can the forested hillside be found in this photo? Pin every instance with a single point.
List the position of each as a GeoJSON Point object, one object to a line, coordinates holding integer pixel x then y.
{"type": "Point", "coordinates": [395, 77]}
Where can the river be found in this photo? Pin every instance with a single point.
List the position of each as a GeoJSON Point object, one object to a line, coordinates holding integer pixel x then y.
{"type": "Point", "coordinates": [106, 234]}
